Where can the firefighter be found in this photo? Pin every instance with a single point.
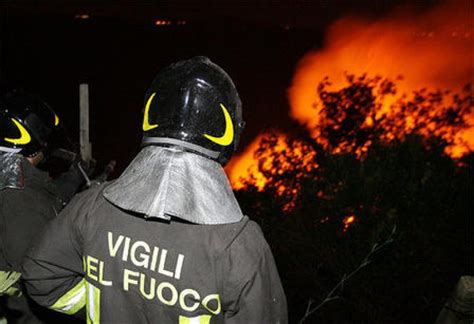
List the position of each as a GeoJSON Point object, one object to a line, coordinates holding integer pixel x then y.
{"type": "Point", "coordinates": [28, 197]}
{"type": "Point", "coordinates": [166, 242]}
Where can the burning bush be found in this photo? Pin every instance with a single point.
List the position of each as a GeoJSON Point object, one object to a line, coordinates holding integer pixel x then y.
{"type": "Point", "coordinates": [350, 121]}
{"type": "Point", "coordinates": [327, 200]}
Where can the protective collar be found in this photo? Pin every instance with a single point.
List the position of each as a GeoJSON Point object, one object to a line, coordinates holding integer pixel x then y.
{"type": "Point", "coordinates": [11, 171]}
{"type": "Point", "coordinates": [165, 181]}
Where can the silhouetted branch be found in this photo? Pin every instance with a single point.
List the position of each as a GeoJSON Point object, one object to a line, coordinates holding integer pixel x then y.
{"type": "Point", "coordinates": [340, 285]}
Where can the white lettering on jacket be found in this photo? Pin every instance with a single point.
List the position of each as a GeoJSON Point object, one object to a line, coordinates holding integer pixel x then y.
{"type": "Point", "coordinates": [142, 255]}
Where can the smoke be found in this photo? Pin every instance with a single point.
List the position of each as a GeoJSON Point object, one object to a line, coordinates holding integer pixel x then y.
{"type": "Point", "coordinates": [431, 50]}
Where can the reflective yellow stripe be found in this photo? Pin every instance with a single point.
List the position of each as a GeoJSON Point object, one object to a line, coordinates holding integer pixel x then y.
{"type": "Point", "coordinates": [24, 138]}
{"type": "Point", "coordinates": [12, 291]}
{"type": "Point", "coordinates": [7, 279]}
{"type": "Point", "coordinates": [73, 300]}
{"type": "Point", "coordinates": [203, 319]}
{"type": "Point", "coordinates": [228, 137]}
{"type": "Point", "coordinates": [146, 124]}
{"type": "Point", "coordinates": [93, 304]}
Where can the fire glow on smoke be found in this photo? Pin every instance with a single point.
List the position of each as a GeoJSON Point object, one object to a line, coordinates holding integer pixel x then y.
{"type": "Point", "coordinates": [432, 50]}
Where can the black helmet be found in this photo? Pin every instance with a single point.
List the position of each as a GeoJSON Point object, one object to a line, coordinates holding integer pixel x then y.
{"type": "Point", "coordinates": [194, 104]}
{"type": "Point", "coordinates": [26, 123]}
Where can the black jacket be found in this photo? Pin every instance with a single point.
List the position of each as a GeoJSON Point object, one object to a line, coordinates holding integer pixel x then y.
{"type": "Point", "coordinates": [126, 269]}
{"type": "Point", "coordinates": [24, 212]}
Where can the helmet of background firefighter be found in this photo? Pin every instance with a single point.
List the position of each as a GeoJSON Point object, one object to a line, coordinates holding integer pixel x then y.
{"type": "Point", "coordinates": [193, 104]}
{"type": "Point", "coordinates": [26, 124]}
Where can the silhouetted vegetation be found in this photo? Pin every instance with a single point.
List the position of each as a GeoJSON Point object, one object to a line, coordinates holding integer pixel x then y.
{"type": "Point", "coordinates": [391, 170]}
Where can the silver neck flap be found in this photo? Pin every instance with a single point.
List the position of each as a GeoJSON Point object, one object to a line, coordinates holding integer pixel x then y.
{"type": "Point", "coordinates": [165, 182]}
{"type": "Point", "coordinates": [11, 170]}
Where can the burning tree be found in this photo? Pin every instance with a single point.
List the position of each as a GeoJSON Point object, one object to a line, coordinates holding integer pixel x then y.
{"type": "Point", "coordinates": [352, 120]}
{"type": "Point", "coordinates": [376, 167]}
{"type": "Point", "coordinates": [358, 115]}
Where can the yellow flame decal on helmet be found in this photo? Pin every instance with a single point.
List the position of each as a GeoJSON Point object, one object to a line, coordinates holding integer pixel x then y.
{"type": "Point", "coordinates": [24, 138]}
{"type": "Point", "coordinates": [56, 120]}
{"type": "Point", "coordinates": [228, 136]}
{"type": "Point", "coordinates": [146, 124]}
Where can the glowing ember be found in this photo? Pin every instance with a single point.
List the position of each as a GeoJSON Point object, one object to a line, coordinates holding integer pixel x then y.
{"type": "Point", "coordinates": [324, 220]}
{"type": "Point", "coordinates": [82, 16]}
{"type": "Point", "coordinates": [348, 221]}
{"type": "Point", "coordinates": [160, 22]}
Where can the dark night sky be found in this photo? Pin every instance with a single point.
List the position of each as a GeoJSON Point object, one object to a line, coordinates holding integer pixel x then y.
{"type": "Point", "coordinates": [46, 50]}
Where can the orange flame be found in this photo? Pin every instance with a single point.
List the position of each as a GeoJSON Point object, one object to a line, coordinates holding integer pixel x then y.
{"type": "Point", "coordinates": [432, 50]}
{"type": "Point", "coordinates": [243, 169]}
{"type": "Point", "coordinates": [348, 221]}
{"type": "Point", "coordinates": [244, 166]}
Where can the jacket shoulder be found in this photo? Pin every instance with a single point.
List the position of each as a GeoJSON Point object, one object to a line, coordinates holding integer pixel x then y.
{"type": "Point", "coordinates": [83, 203]}
{"type": "Point", "coordinates": [249, 243]}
